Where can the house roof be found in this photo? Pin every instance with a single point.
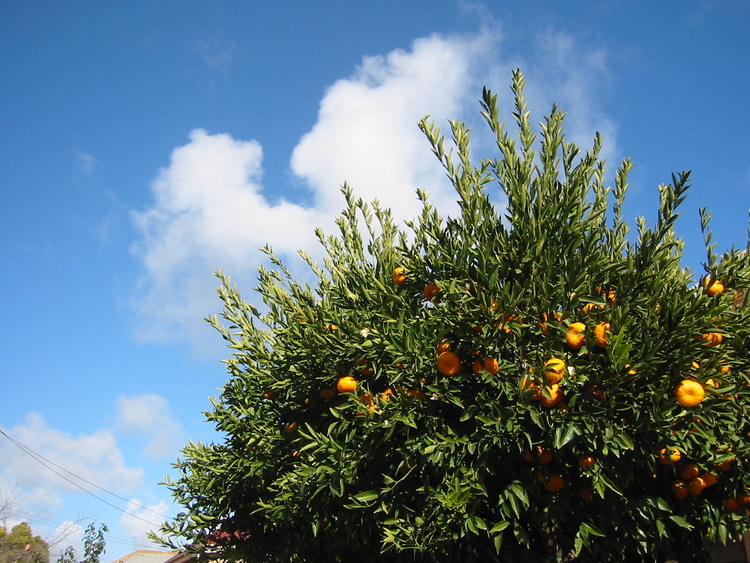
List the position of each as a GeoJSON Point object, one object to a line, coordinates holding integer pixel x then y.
{"type": "Point", "coordinates": [149, 556]}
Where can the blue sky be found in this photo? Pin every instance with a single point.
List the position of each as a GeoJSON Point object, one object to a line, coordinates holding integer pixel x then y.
{"type": "Point", "coordinates": [146, 144]}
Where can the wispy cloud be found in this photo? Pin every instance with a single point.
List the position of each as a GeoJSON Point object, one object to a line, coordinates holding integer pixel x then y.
{"type": "Point", "coordinates": [215, 54]}
{"type": "Point", "coordinates": [150, 416]}
{"type": "Point", "coordinates": [576, 78]}
{"type": "Point", "coordinates": [209, 208]}
{"type": "Point", "coordinates": [86, 164]}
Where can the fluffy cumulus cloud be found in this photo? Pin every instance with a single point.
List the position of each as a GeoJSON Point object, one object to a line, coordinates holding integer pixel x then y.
{"type": "Point", "coordinates": [59, 462]}
{"type": "Point", "coordinates": [139, 519]}
{"type": "Point", "coordinates": [210, 210]}
{"type": "Point", "coordinates": [44, 471]}
{"type": "Point", "coordinates": [43, 468]}
{"type": "Point", "coordinates": [149, 415]}
{"type": "Point", "coordinates": [366, 132]}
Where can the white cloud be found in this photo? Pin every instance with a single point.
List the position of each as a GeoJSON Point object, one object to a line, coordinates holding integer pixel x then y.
{"type": "Point", "coordinates": [150, 416]}
{"type": "Point", "coordinates": [138, 518]}
{"type": "Point", "coordinates": [575, 77]}
{"type": "Point", "coordinates": [209, 208]}
{"type": "Point", "coordinates": [367, 134]}
{"type": "Point", "coordinates": [66, 534]}
{"type": "Point", "coordinates": [215, 54]}
{"type": "Point", "coordinates": [209, 213]}
{"type": "Point", "coordinates": [92, 457]}
{"type": "Point", "coordinates": [86, 163]}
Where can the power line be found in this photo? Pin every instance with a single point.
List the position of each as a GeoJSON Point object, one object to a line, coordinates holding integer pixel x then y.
{"type": "Point", "coordinates": [39, 457]}
{"type": "Point", "coordinates": [33, 520]}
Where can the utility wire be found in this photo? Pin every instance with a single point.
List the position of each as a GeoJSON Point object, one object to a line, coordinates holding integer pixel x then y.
{"type": "Point", "coordinates": [38, 458]}
{"type": "Point", "coordinates": [110, 539]}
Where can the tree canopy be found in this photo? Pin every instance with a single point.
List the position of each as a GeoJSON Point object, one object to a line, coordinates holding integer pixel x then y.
{"type": "Point", "coordinates": [528, 380]}
{"type": "Point", "coordinates": [19, 544]}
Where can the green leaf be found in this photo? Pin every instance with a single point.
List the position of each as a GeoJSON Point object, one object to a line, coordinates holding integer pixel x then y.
{"type": "Point", "coordinates": [681, 521]}
{"type": "Point", "coordinates": [499, 527]}
{"type": "Point", "coordinates": [366, 496]}
{"type": "Point", "coordinates": [564, 434]}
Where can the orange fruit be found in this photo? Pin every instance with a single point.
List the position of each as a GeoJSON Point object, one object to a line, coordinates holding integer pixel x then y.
{"type": "Point", "coordinates": [586, 462]}
{"type": "Point", "coordinates": [596, 392]}
{"type": "Point", "coordinates": [542, 454]}
{"type": "Point", "coordinates": [386, 395]}
{"type": "Point", "coordinates": [346, 384]}
{"type": "Point", "coordinates": [724, 465]}
{"type": "Point", "coordinates": [575, 341]}
{"type": "Point", "coordinates": [554, 483]}
{"type": "Point", "coordinates": [330, 326]}
{"type": "Point", "coordinates": [418, 393]}
{"type": "Point", "coordinates": [555, 396]}
{"type": "Point", "coordinates": [490, 365]}
{"type": "Point", "coordinates": [399, 276]}
{"type": "Point", "coordinates": [444, 346]}
{"type": "Point", "coordinates": [585, 493]}
{"type": "Point", "coordinates": [712, 382]}
{"type": "Point", "coordinates": [543, 324]}
{"type": "Point", "coordinates": [680, 489]}
{"type": "Point", "coordinates": [271, 394]}
{"type": "Point", "coordinates": [600, 332]}
{"type": "Point", "coordinates": [291, 428]}
{"type": "Point", "coordinates": [527, 455]}
{"type": "Point", "coordinates": [724, 370]}
{"type": "Point", "coordinates": [713, 287]}
{"type": "Point", "coordinates": [709, 478]}
{"type": "Point", "coordinates": [577, 328]}
{"type": "Point", "coordinates": [506, 319]}
{"type": "Point", "coordinates": [537, 391]}
{"type": "Point", "coordinates": [689, 393]}
{"type": "Point", "coordinates": [689, 471]}
{"type": "Point", "coordinates": [554, 370]}
{"type": "Point", "coordinates": [696, 486]}
{"type": "Point", "coordinates": [669, 456]}
{"type": "Point", "coordinates": [731, 504]}
{"type": "Point", "coordinates": [448, 363]}
{"type": "Point", "coordinates": [364, 367]}
{"type": "Point", "coordinates": [430, 291]}
{"type": "Point", "coordinates": [744, 499]}
{"type": "Point", "coordinates": [713, 338]}
{"type": "Point", "coordinates": [328, 393]}
{"type": "Point", "coordinates": [527, 383]}
{"type": "Point", "coordinates": [575, 335]}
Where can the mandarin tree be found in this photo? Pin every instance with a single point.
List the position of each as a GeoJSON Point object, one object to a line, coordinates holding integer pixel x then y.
{"type": "Point", "coordinates": [549, 334]}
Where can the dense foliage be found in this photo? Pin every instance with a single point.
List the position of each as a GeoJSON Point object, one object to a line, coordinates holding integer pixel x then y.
{"type": "Point", "coordinates": [531, 381]}
{"type": "Point", "coordinates": [19, 544]}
